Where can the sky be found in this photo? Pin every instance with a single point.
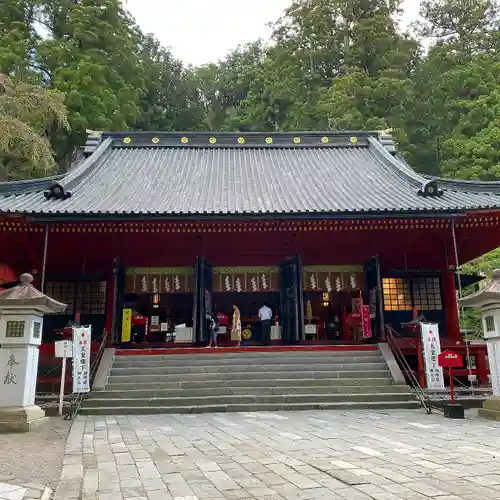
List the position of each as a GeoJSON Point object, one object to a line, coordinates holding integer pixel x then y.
{"type": "Point", "coordinates": [198, 31]}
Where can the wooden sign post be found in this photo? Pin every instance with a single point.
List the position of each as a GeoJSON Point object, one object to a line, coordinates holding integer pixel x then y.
{"type": "Point", "coordinates": [64, 350]}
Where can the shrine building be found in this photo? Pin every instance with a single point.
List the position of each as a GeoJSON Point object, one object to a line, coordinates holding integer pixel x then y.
{"type": "Point", "coordinates": [323, 227]}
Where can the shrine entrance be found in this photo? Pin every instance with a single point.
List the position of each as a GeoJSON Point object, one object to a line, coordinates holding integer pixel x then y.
{"type": "Point", "coordinates": [156, 299]}
{"type": "Point", "coordinates": [249, 288]}
{"type": "Point", "coordinates": [310, 304]}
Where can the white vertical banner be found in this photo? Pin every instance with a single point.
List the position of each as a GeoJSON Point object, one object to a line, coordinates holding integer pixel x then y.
{"type": "Point", "coordinates": [82, 336]}
{"type": "Point", "coordinates": [431, 347]}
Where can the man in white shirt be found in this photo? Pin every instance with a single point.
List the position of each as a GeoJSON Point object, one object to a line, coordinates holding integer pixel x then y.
{"type": "Point", "coordinates": [265, 317]}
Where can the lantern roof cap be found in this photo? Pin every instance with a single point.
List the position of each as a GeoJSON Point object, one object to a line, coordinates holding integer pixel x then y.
{"type": "Point", "coordinates": [488, 294]}
{"type": "Point", "coordinates": [25, 295]}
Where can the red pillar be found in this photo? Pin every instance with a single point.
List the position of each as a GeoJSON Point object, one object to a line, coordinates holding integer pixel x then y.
{"type": "Point", "coordinates": [482, 367]}
{"type": "Point", "coordinates": [451, 306]}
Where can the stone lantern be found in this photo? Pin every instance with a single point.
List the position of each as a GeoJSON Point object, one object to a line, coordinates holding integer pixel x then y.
{"type": "Point", "coordinates": [487, 299]}
{"type": "Point", "coordinates": [21, 319]}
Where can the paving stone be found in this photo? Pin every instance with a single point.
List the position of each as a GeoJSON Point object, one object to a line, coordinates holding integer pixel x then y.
{"type": "Point", "coordinates": [351, 455]}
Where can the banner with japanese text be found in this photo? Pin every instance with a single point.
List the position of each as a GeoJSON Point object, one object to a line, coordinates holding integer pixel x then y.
{"type": "Point", "coordinates": [82, 336]}
{"type": "Point", "coordinates": [366, 322]}
{"type": "Point", "coordinates": [431, 349]}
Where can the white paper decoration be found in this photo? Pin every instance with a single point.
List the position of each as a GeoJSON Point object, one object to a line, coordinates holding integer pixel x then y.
{"type": "Point", "coordinates": [263, 281]}
{"type": "Point", "coordinates": [312, 281]}
{"type": "Point", "coordinates": [353, 281]}
{"type": "Point", "coordinates": [253, 281]}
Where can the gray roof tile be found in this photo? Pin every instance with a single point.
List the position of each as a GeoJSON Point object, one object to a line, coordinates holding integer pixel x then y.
{"type": "Point", "coordinates": [169, 180]}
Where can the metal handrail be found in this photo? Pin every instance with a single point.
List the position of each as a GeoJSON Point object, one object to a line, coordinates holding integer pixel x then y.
{"type": "Point", "coordinates": [403, 363]}
{"type": "Point", "coordinates": [77, 399]}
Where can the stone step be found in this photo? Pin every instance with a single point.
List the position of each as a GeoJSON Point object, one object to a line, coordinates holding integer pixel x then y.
{"type": "Point", "coordinates": [131, 361]}
{"type": "Point", "coordinates": [209, 353]}
{"type": "Point", "coordinates": [249, 407]}
{"type": "Point", "coordinates": [249, 398]}
{"type": "Point", "coordinates": [237, 369]}
{"type": "Point", "coordinates": [227, 391]}
{"type": "Point", "coordinates": [128, 384]}
{"type": "Point", "coordinates": [189, 377]}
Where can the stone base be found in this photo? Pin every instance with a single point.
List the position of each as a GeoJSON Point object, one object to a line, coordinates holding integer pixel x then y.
{"type": "Point", "coordinates": [21, 419]}
{"type": "Point", "coordinates": [491, 409]}
{"type": "Point", "coordinates": [454, 411]}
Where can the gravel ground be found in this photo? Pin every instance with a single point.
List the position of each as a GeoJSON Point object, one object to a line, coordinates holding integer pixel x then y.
{"type": "Point", "coordinates": [34, 457]}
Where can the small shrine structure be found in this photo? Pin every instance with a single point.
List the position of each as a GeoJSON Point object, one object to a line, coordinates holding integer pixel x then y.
{"type": "Point", "coordinates": [487, 300]}
{"type": "Point", "coordinates": [21, 321]}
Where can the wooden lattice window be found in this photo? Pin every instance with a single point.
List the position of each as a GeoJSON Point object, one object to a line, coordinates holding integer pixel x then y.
{"type": "Point", "coordinates": [406, 294]}
{"type": "Point", "coordinates": [427, 294]}
{"type": "Point", "coordinates": [85, 297]}
{"type": "Point", "coordinates": [63, 291]}
{"type": "Point", "coordinates": [91, 297]}
{"type": "Point", "coordinates": [397, 294]}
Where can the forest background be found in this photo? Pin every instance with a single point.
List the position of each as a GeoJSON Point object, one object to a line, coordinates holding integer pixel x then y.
{"type": "Point", "coordinates": [69, 66]}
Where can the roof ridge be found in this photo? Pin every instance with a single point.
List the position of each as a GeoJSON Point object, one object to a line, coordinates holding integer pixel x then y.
{"type": "Point", "coordinates": [425, 187]}
{"type": "Point", "coordinates": [62, 190]}
{"type": "Point", "coordinates": [28, 185]}
{"type": "Point", "coordinates": [466, 185]}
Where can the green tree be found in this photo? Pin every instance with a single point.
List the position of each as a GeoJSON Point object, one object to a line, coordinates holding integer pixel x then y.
{"type": "Point", "coordinates": [453, 121]}
{"type": "Point", "coordinates": [90, 55]}
{"type": "Point", "coordinates": [375, 85]}
{"type": "Point", "coordinates": [170, 96]}
{"type": "Point", "coordinates": [225, 85]}
{"type": "Point", "coordinates": [17, 36]}
{"type": "Point", "coordinates": [26, 113]}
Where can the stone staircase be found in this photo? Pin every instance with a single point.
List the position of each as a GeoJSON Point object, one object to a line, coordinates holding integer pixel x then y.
{"type": "Point", "coordinates": [217, 381]}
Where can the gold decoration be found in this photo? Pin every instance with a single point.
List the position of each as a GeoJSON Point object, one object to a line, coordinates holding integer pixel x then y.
{"type": "Point", "coordinates": [296, 140]}
{"type": "Point", "coordinates": [246, 334]}
{"type": "Point", "coordinates": [325, 140]}
{"type": "Point", "coordinates": [155, 140]}
{"type": "Point", "coordinates": [184, 140]}
{"type": "Point", "coordinates": [127, 140]}
{"type": "Point", "coordinates": [212, 140]}
{"type": "Point", "coordinates": [269, 140]}
{"type": "Point", "coordinates": [354, 140]}
{"type": "Point", "coordinates": [241, 140]}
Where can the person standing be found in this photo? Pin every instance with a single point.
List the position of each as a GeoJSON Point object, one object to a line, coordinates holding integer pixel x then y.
{"type": "Point", "coordinates": [214, 330]}
{"type": "Point", "coordinates": [236, 331]}
{"type": "Point", "coordinates": [265, 317]}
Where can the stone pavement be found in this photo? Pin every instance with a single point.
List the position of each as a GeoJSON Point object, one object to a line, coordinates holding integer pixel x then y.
{"type": "Point", "coordinates": [34, 459]}
{"type": "Point", "coordinates": [357, 455]}
{"type": "Point", "coordinates": [15, 492]}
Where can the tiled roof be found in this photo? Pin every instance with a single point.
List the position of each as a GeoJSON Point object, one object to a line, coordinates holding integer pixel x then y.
{"type": "Point", "coordinates": [172, 174]}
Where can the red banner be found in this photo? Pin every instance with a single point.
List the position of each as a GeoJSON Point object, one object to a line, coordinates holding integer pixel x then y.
{"type": "Point", "coordinates": [366, 322]}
